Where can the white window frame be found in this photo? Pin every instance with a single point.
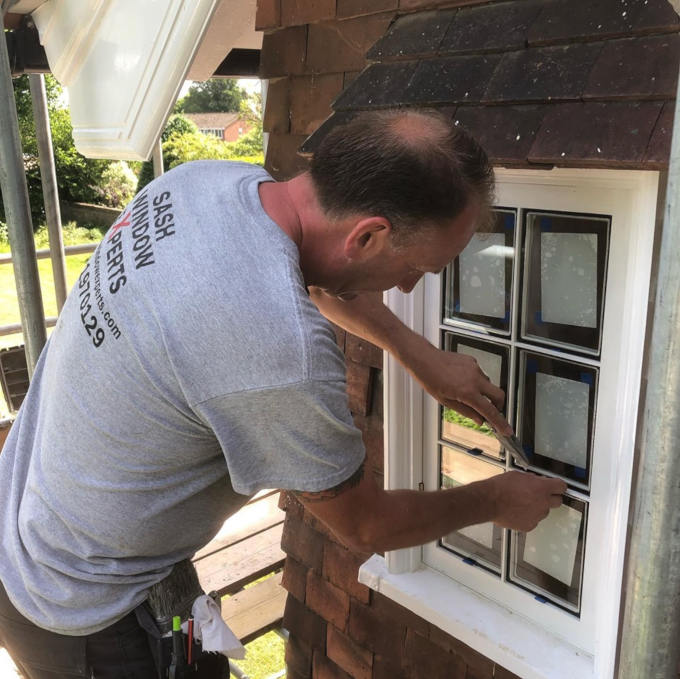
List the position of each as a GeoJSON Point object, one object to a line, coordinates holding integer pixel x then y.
{"type": "Point", "coordinates": [543, 641]}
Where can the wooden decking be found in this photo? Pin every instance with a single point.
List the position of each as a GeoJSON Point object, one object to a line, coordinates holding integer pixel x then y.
{"type": "Point", "coordinates": [247, 549]}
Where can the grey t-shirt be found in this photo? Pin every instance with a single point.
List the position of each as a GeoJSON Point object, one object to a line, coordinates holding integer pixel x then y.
{"type": "Point", "coordinates": [187, 371]}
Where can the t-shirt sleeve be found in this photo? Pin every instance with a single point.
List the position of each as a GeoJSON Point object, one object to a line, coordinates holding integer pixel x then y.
{"type": "Point", "coordinates": [294, 437]}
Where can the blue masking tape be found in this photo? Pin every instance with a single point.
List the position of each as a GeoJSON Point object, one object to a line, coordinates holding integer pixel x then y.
{"type": "Point", "coordinates": [579, 472]}
{"type": "Point", "coordinates": [541, 599]}
{"type": "Point", "coordinates": [509, 221]}
{"type": "Point", "coordinates": [545, 224]}
{"type": "Point", "coordinates": [538, 318]}
{"type": "Point", "coordinates": [587, 378]}
{"type": "Point", "coordinates": [469, 561]}
{"type": "Point", "coordinates": [532, 366]}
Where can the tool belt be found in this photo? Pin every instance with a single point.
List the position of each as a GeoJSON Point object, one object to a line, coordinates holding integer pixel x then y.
{"type": "Point", "coordinates": [174, 596]}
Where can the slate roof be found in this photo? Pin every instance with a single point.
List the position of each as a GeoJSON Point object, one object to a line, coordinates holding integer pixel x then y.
{"type": "Point", "coordinates": [538, 82]}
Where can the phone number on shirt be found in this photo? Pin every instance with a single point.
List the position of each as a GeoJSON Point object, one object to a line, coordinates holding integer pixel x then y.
{"type": "Point", "coordinates": [88, 320]}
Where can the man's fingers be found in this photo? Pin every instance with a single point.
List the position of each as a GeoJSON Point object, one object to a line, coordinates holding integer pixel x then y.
{"type": "Point", "coordinates": [495, 394]}
{"type": "Point", "coordinates": [555, 501]}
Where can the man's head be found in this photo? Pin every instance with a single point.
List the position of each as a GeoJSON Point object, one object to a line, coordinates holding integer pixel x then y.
{"type": "Point", "coordinates": [414, 168]}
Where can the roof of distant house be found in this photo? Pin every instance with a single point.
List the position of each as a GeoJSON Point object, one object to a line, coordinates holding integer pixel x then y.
{"type": "Point", "coordinates": [537, 82]}
{"type": "Point", "coordinates": [213, 120]}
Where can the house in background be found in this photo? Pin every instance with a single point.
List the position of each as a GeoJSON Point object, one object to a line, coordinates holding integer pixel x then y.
{"type": "Point", "coordinates": [224, 126]}
{"type": "Point", "coordinates": [574, 104]}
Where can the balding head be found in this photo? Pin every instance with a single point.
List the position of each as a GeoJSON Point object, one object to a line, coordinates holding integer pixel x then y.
{"type": "Point", "coordinates": [415, 168]}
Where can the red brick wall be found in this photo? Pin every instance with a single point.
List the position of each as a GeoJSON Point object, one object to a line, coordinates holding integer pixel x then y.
{"type": "Point", "coordinates": [4, 431]}
{"type": "Point", "coordinates": [338, 627]}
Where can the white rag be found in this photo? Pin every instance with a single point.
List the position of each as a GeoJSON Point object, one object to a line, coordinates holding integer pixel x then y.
{"type": "Point", "coordinates": [212, 631]}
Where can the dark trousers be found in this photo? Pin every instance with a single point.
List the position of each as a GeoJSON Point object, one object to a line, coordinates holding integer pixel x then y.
{"type": "Point", "coordinates": [121, 651]}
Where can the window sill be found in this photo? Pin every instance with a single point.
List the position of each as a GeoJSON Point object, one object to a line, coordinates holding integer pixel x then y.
{"type": "Point", "coordinates": [502, 636]}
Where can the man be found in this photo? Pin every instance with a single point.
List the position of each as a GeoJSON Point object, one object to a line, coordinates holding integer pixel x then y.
{"type": "Point", "coordinates": [190, 369]}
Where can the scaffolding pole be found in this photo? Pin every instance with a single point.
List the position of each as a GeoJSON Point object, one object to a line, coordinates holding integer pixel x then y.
{"type": "Point", "coordinates": [18, 215]}
{"type": "Point", "coordinates": [651, 619]}
{"type": "Point", "coordinates": [158, 158]}
{"type": "Point", "coordinates": [48, 177]}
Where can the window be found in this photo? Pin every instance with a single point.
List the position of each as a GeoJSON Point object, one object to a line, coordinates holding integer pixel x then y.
{"type": "Point", "coordinates": [213, 132]}
{"type": "Point", "coordinates": [552, 304]}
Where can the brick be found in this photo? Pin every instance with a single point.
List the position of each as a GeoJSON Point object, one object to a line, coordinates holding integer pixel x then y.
{"type": "Point", "coordinates": [491, 27]}
{"type": "Point", "coordinates": [477, 664]}
{"type": "Point", "coordinates": [298, 657]}
{"type": "Point", "coordinates": [348, 76]}
{"type": "Point", "coordinates": [340, 336]}
{"type": "Point", "coordinates": [372, 434]}
{"type": "Point", "coordinates": [596, 134]}
{"type": "Point", "coordinates": [413, 34]}
{"type": "Point", "coordinates": [502, 673]}
{"type": "Point", "coordinates": [321, 528]}
{"type": "Point", "coordinates": [474, 673]}
{"type": "Point", "coordinates": [283, 52]}
{"type": "Point", "coordinates": [359, 387]}
{"type": "Point", "coordinates": [506, 133]}
{"type": "Point", "coordinates": [602, 19]}
{"type": "Point", "coordinates": [422, 4]}
{"type": "Point", "coordinates": [450, 80]}
{"type": "Point", "coordinates": [303, 624]}
{"type": "Point", "coordinates": [372, 631]}
{"type": "Point", "coordinates": [354, 8]}
{"type": "Point", "coordinates": [4, 433]}
{"type": "Point", "coordinates": [325, 668]}
{"type": "Point", "coordinates": [396, 614]}
{"type": "Point", "coordinates": [277, 111]}
{"type": "Point", "coordinates": [303, 543]}
{"type": "Point", "coordinates": [310, 100]}
{"type": "Point", "coordinates": [378, 86]}
{"type": "Point", "coordinates": [282, 160]}
{"type": "Point", "coordinates": [659, 147]}
{"type": "Point", "coordinates": [297, 12]}
{"type": "Point", "coordinates": [636, 68]}
{"type": "Point", "coordinates": [329, 601]}
{"type": "Point", "coordinates": [356, 661]}
{"type": "Point", "coordinates": [338, 118]}
{"type": "Point", "coordinates": [337, 46]}
{"type": "Point", "coordinates": [292, 674]}
{"type": "Point", "coordinates": [364, 352]}
{"type": "Point", "coordinates": [291, 505]}
{"type": "Point", "coordinates": [267, 14]}
{"type": "Point", "coordinates": [542, 74]}
{"type": "Point", "coordinates": [341, 567]}
{"type": "Point", "coordinates": [426, 659]}
{"type": "Point", "coordinates": [295, 578]}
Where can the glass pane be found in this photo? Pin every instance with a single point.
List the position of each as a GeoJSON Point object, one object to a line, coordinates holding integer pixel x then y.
{"type": "Point", "coordinates": [556, 404]}
{"type": "Point", "coordinates": [480, 544]}
{"type": "Point", "coordinates": [564, 275]}
{"type": "Point", "coordinates": [464, 432]}
{"type": "Point", "coordinates": [479, 280]}
{"type": "Point", "coordinates": [549, 559]}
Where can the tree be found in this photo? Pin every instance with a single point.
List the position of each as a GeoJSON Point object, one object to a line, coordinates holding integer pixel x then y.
{"type": "Point", "coordinates": [217, 95]}
{"type": "Point", "coordinates": [77, 176]}
{"type": "Point", "coordinates": [177, 125]}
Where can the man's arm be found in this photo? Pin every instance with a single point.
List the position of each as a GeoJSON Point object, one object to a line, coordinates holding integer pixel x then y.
{"type": "Point", "coordinates": [369, 519]}
{"type": "Point", "coordinates": [455, 380]}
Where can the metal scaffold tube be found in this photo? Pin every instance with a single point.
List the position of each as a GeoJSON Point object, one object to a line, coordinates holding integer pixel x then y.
{"type": "Point", "coordinates": [651, 619]}
{"type": "Point", "coordinates": [18, 215]}
{"type": "Point", "coordinates": [48, 175]}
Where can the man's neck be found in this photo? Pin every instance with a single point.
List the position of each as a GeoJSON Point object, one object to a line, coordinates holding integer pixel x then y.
{"type": "Point", "coordinates": [295, 209]}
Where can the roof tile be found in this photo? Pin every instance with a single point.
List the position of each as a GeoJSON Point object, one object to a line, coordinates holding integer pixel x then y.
{"type": "Point", "coordinates": [379, 85]}
{"type": "Point", "coordinates": [597, 19]}
{"type": "Point", "coordinates": [451, 80]}
{"type": "Point", "coordinates": [543, 74]}
{"type": "Point", "coordinates": [596, 134]}
{"type": "Point", "coordinates": [506, 132]}
{"type": "Point", "coordinates": [490, 27]}
{"type": "Point", "coordinates": [658, 149]}
{"type": "Point", "coordinates": [413, 34]}
{"type": "Point", "coordinates": [636, 68]}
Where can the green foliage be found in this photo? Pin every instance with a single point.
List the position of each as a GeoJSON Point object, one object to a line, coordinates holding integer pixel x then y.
{"type": "Point", "coordinates": [176, 125]}
{"type": "Point", "coordinates": [72, 234]}
{"type": "Point", "coordinates": [183, 148]}
{"type": "Point", "coordinates": [217, 95]}
{"type": "Point", "coordinates": [117, 186]}
{"type": "Point", "coordinates": [77, 176]}
{"type": "Point", "coordinates": [250, 144]}
{"type": "Point", "coordinates": [452, 416]}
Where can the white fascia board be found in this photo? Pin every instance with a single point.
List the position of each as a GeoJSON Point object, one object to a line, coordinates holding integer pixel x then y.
{"type": "Point", "coordinates": [123, 63]}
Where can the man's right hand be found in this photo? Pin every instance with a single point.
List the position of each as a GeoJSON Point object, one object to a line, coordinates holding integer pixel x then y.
{"type": "Point", "coordinates": [524, 499]}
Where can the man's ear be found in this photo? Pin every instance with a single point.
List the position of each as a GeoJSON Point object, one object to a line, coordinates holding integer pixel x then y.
{"type": "Point", "coordinates": [367, 237]}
